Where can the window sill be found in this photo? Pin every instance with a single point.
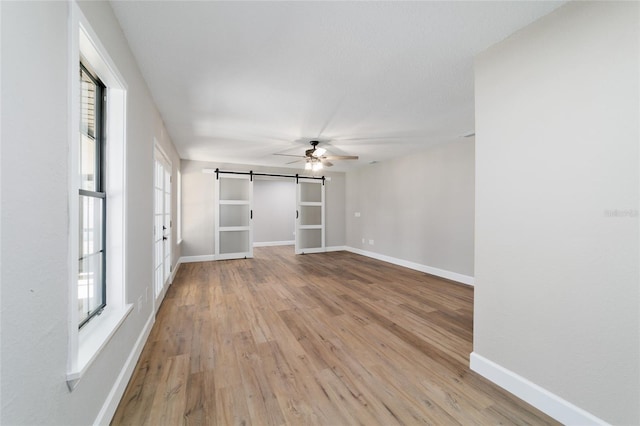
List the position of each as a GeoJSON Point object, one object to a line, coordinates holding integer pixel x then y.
{"type": "Point", "coordinates": [93, 338]}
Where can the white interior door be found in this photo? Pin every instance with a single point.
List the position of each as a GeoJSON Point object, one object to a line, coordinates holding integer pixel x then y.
{"type": "Point", "coordinates": [162, 226]}
{"type": "Point", "coordinates": [310, 223]}
{"type": "Point", "coordinates": [234, 217]}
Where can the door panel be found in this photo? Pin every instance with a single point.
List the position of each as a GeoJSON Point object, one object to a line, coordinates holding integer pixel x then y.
{"type": "Point", "coordinates": [234, 214]}
{"type": "Point", "coordinates": [161, 226]}
{"type": "Point", "coordinates": [310, 219]}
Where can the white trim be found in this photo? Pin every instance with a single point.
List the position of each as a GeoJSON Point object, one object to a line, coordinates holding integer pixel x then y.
{"type": "Point", "coordinates": [74, 184]}
{"type": "Point", "coordinates": [311, 250]}
{"type": "Point", "coordinates": [113, 399]}
{"type": "Point", "coordinates": [453, 276]}
{"type": "Point", "coordinates": [274, 243]}
{"type": "Point", "coordinates": [117, 195]}
{"type": "Point", "coordinates": [232, 256]}
{"type": "Point", "coordinates": [547, 402]}
{"type": "Point", "coordinates": [202, 258]}
{"type": "Point", "coordinates": [233, 228]}
{"type": "Point", "coordinates": [93, 337]}
{"type": "Point", "coordinates": [157, 148]}
{"type": "Point", "coordinates": [234, 202]}
{"type": "Point", "coordinates": [336, 248]}
{"type": "Point", "coordinates": [174, 271]}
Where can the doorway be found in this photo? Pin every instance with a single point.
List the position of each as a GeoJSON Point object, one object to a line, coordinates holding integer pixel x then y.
{"type": "Point", "coordinates": [274, 218]}
{"type": "Point", "coordinates": [161, 224]}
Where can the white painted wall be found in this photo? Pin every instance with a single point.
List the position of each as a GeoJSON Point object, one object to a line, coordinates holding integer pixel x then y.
{"type": "Point", "coordinates": [34, 218]}
{"type": "Point", "coordinates": [274, 210]}
{"type": "Point", "coordinates": [557, 276]}
{"type": "Point", "coordinates": [417, 209]}
{"type": "Point", "coordinates": [198, 205]}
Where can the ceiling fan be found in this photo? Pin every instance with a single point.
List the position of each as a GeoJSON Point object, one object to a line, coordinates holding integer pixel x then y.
{"type": "Point", "coordinates": [315, 158]}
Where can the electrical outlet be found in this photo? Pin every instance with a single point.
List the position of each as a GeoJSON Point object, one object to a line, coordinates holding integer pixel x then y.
{"type": "Point", "coordinates": [371, 242]}
{"type": "Point", "coordinates": [139, 303]}
{"type": "Point", "coordinates": [363, 241]}
{"type": "Point", "coordinates": [357, 214]}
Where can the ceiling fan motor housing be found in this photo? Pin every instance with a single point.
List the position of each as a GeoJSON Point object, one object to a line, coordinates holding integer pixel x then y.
{"type": "Point", "coordinates": [314, 145]}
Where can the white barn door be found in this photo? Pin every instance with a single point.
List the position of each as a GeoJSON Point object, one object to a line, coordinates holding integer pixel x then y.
{"type": "Point", "coordinates": [310, 220]}
{"type": "Point", "coordinates": [233, 223]}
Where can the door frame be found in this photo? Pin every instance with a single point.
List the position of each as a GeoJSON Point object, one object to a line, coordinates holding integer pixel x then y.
{"type": "Point", "coordinates": [162, 236]}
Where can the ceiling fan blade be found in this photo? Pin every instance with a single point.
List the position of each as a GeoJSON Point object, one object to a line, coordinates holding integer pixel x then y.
{"type": "Point", "coordinates": [295, 161]}
{"type": "Point", "coordinates": [340, 157]}
{"type": "Point", "coordinates": [326, 163]}
{"type": "Point", "coordinates": [290, 155]}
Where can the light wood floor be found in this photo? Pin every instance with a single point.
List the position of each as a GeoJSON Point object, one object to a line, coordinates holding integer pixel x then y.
{"type": "Point", "coordinates": [323, 339]}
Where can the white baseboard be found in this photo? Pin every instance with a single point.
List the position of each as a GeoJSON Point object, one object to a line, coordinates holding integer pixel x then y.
{"type": "Point", "coordinates": [203, 258]}
{"type": "Point", "coordinates": [210, 257]}
{"type": "Point", "coordinates": [274, 243]}
{"type": "Point", "coordinates": [175, 271]}
{"type": "Point", "coordinates": [113, 399]}
{"type": "Point", "coordinates": [453, 276]}
{"type": "Point", "coordinates": [545, 401]}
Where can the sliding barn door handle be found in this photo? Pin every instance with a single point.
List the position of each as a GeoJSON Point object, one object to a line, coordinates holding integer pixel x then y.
{"type": "Point", "coordinates": [296, 214]}
{"type": "Point", "coordinates": [251, 214]}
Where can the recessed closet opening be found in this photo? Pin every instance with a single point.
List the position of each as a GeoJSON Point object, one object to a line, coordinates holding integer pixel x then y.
{"type": "Point", "coordinates": [274, 212]}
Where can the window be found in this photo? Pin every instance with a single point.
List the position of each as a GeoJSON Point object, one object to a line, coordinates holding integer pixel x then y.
{"type": "Point", "coordinates": [92, 292]}
{"type": "Point", "coordinates": [97, 194]}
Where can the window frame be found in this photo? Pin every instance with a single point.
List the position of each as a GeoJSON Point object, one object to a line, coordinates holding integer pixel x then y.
{"type": "Point", "coordinates": [85, 345]}
{"type": "Point", "coordinates": [100, 187]}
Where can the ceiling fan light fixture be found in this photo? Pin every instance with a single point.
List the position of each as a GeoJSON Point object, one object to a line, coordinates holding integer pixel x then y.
{"type": "Point", "coordinates": [319, 152]}
{"type": "Point", "coordinates": [315, 158]}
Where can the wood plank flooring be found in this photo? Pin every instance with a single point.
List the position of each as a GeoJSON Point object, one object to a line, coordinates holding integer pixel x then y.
{"type": "Point", "coordinates": [320, 339]}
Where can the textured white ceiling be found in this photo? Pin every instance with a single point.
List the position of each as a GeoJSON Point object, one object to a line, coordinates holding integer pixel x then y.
{"type": "Point", "coordinates": [236, 82]}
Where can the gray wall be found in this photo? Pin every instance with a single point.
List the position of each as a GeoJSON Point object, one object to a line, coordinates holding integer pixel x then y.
{"type": "Point", "coordinates": [198, 206]}
{"type": "Point", "coordinates": [557, 276]}
{"type": "Point", "coordinates": [34, 218]}
{"type": "Point", "coordinates": [418, 208]}
{"type": "Point", "coordinates": [274, 210]}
